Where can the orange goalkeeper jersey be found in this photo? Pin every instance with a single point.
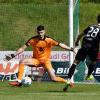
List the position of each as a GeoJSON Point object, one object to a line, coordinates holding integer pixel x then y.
{"type": "Point", "coordinates": [41, 48]}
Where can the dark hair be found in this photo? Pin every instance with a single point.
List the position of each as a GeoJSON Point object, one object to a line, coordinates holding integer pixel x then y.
{"type": "Point", "coordinates": [98, 18]}
{"type": "Point", "coordinates": [40, 27]}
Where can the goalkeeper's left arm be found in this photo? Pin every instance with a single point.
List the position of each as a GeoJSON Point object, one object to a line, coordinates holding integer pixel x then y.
{"type": "Point", "coordinates": [67, 47]}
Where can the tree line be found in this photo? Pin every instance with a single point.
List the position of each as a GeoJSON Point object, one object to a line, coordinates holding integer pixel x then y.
{"type": "Point", "coordinates": [45, 1]}
{"type": "Point", "coordinates": [93, 1]}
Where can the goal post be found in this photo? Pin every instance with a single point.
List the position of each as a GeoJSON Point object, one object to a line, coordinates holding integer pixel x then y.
{"type": "Point", "coordinates": [71, 29]}
{"type": "Point", "coordinates": [73, 32]}
{"type": "Point", "coordinates": [73, 23]}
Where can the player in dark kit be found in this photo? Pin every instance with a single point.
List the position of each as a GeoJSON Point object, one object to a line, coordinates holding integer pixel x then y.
{"type": "Point", "coordinates": [89, 47]}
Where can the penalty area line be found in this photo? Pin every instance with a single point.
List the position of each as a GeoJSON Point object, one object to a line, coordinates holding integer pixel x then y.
{"type": "Point", "coordinates": [65, 93]}
{"type": "Point", "coordinates": [55, 93]}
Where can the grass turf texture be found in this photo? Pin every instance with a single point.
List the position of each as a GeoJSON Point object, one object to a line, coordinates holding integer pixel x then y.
{"type": "Point", "coordinates": [49, 91]}
{"type": "Point", "coordinates": [18, 21]}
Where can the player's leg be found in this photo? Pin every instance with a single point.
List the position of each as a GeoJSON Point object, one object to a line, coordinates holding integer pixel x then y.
{"type": "Point", "coordinates": [54, 77]}
{"type": "Point", "coordinates": [22, 63]}
{"type": "Point", "coordinates": [72, 68]}
{"type": "Point", "coordinates": [90, 70]}
{"type": "Point", "coordinates": [70, 74]}
{"type": "Point", "coordinates": [93, 58]}
{"type": "Point", "coordinates": [21, 70]}
{"type": "Point", "coordinates": [51, 72]}
{"type": "Point", "coordinates": [80, 56]}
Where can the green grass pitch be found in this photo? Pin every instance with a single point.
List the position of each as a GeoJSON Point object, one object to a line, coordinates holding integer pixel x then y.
{"type": "Point", "coordinates": [49, 91]}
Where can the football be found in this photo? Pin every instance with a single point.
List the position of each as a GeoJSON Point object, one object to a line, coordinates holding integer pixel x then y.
{"type": "Point", "coordinates": [26, 81]}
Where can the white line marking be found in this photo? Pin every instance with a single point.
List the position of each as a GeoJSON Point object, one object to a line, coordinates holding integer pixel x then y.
{"type": "Point", "coordinates": [63, 93]}
{"type": "Point", "coordinates": [56, 93]}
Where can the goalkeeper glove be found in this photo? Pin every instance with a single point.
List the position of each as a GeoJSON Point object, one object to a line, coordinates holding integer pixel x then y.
{"type": "Point", "coordinates": [71, 49]}
{"type": "Point", "coordinates": [9, 57]}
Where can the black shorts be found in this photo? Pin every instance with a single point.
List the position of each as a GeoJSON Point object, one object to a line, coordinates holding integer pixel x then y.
{"type": "Point", "coordinates": [83, 53]}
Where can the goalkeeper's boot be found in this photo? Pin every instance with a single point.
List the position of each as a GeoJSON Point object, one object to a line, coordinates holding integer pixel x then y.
{"type": "Point", "coordinates": [68, 83]}
{"type": "Point", "coordinates": [15, 83]}
{"type": "Point", "coordinates": [89, 77]}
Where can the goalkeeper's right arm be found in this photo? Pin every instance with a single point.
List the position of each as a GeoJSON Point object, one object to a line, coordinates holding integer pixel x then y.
{"type": "Point", "coordinates": [20, 50]}
{"type": "Point", "coordinates": [11, 56]}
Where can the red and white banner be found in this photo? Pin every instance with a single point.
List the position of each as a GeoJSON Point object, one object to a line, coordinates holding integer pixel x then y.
{"type": "Point", "coordinates": [9, 70]}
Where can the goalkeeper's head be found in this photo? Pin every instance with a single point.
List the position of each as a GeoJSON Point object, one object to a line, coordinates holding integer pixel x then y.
{"type": "Point", "coordinates": [98, 18]}
{"type": "Point", "coordinates": [41, 32]}
{"type": "Point", "coordinates": [40, 28]}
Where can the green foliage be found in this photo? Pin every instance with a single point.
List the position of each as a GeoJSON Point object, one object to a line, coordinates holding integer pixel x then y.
{"type": "Point", "coordinates": [33, 1]}
{"type": "Point", "coordinates": [88, 14]}
{"type": "Point", "coordinates": [18, 23]}
{"type": "Point", "coordinates": [92, 1]}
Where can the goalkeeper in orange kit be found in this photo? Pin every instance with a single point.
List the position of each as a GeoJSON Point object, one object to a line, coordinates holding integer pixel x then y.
{"type": "Point", "coordinates": [41, 46]}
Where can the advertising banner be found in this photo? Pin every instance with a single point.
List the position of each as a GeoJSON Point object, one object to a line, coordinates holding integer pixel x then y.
{"type": "Point", "coordinates": [96, 73]}
{"type": "Point", "coordinates": [55, 55]}
{"type": "Point", "coordinates": [9, 70]}
{"type": "Point", "coordinates": [60, 63]}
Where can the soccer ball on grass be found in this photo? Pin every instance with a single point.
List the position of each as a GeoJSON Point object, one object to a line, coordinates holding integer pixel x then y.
{"type": "Point", "coordinates": [26, 81]}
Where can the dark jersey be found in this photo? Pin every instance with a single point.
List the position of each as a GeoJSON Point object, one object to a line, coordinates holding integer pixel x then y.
{"type": "Point", "coordinates": [91, 37]}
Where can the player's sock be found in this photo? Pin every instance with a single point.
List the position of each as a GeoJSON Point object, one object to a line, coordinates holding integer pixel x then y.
{"type": "Point", "coordinates": [68, 83]}
{"type": "Point", "coordinates": [15, 83]}
{"type": "Point", "coordinates": [19, 81]}
{"type": "Point", "coordinates": [59, 79]}
{"type": "Point", "coordinates": [89, 77]}
{"type": "Point", "coordinates": [20, 72]}
{"type": "Point", "coordinates": [90, 69]}
{"type": "Point", "coordinates": [71, 71]}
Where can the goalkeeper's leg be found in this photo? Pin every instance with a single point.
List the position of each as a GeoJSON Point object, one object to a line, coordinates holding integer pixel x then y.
{"type": "Point", "coordinates": [22, 70]}
{"type": "Point", "coordinates": [21, 73]}
{"type": "Point", "coordinates": [52, 73]}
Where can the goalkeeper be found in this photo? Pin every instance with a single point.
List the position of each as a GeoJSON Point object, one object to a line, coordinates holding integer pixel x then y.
{"type": "Point", "coordinates": [42, 46]}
